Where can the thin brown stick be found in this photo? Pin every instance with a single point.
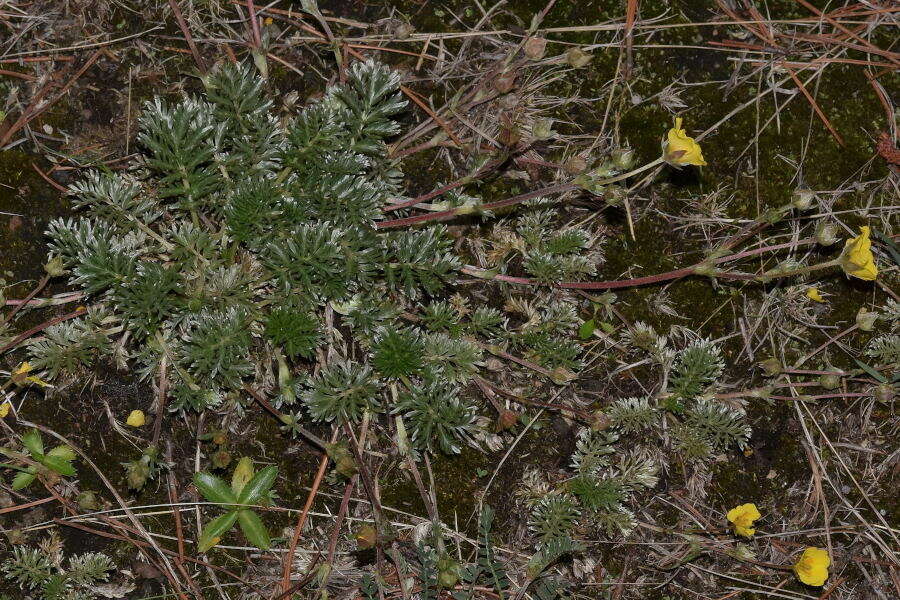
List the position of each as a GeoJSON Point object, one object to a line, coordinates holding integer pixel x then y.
{"type": "Point", "coordinates": [814, 104]}
{"type": "Point", "coordinates": [9, 509]}
{"type": "Point", "coordinates": [301, 521]}
{"type": "Point", "coordinates": [38, 328]}
{"type": "Point", "coordinates": [187, 36]}
{"type": "Point", "coordinates": [41, 284]}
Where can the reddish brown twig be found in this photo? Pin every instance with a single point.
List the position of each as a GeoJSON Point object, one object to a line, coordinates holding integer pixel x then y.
{"type": "Point", "coordinates": [41, 284]}
{"type": "Point", "coordinates": [449, 214]}
{"type": "Point", "coordinates": [814, 105]}
{"type": "Point", "coordinates": [9, 509]}
{"type": "Point", "coordinates": [187, 36]}
{"type": "Point", "coordinates": [24, 336]}
{"type": "Point", "coordinates": [35, 108]}
{"type": "Point", "coordinates": [630, 14]}
{"type": "Point", "coordinates": [301, 521]}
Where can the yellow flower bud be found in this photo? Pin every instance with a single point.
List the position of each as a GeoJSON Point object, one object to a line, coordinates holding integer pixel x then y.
{"type": "Point", "coordinates": [136, 418]}
{"type": "Point", "coordinates": [812, 566]}
{"type": "Point", "coordinates": [4, 409]}
{"type": "Point", "coordinates": [857, 259]}
{"type": "Point", "coordinates": [742, 517]}
{"type": "Point", "coordinates": [679, 149]}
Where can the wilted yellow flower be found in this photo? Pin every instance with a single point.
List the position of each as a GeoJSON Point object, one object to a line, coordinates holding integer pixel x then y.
{"type": "Point", "coordinates": [4, 409]}
{"type": "Point", "coordinates": [21, 375]}
{"type": "Point", "coordinates": [742, 517]}
{"type": "Point", "coordinates": [813, 294]}
{"type": "Point", "coordinates": [136, 418]}
{"type": "Point", "coordinates": [857, 259]}
{"type": "Point", "coordinates": [812, 566]}
{"type": "Point", "coordinates": [680, 149]}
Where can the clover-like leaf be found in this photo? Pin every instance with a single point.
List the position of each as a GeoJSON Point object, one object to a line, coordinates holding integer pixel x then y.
{"type": "Point", "coordinates": [253, 528]}
{"type": "Point", "coordinates": [23, 479]}
{"type": "Point", "coordinates": [58, 464]}
{"type": "Point", "coordinates": [215, 529]}
{"type": "Point", "coordinates": [258, 485]}
{"type": "Point", "coordinates": [214, 489]}
{"type": "Point", "coordinates": [64, 452]}
{"type": "Point", "coordinates": [33, 443]}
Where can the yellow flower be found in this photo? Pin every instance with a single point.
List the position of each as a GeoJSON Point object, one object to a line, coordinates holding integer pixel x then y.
{"type": "Point", "coordinates": [21, 375]}
{"type": "Point", "coordinates": [136, 418]}
{"type": "Point", "coordinates": [812, 566]}
{"type": "Point", "coordinates": [857, 259]}
{"type": "Point", "coordinates": [4, 409]}
{"type": "Point", "coordinates": [680, 149]}
{"type": "Point", "coordinates": [813, 294]}
{"type": "Point", "coordinates": [742, 517]}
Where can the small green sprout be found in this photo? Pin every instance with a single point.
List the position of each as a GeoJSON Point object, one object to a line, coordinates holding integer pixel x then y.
{"type": "Point", "coordinates": [56, 461]}
{"type": "Point", "coordinates": [247, 489]}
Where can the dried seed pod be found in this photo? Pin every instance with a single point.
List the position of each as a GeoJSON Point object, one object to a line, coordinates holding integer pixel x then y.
{"type": "Point", "coordinates": [505, 82]}
{"type": "Point", "coordinates": [535, 48]}
{"type": "Point", "coordinates": [577, 58]}
{"type": "Point", "coordinates": [865, 319]}
{"type": "Point", "coordinates": [542, 129]}
{"type": "Point", "coordinates": [771, 367]}
{"type": "Point", "coordinates": [575, 165]}
{"type": "Point", "coordinates": [830, 381]}
{"type": "Point", "coordinates": [826, 234]}
{"type": "Point", "coordinates": [623, 158]}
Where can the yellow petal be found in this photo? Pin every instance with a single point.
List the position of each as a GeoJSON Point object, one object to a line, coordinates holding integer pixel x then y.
{"type": "Point", "coordinates": [681, 149]}
{"type": "Point", "coordinates": [813, 294]}
{"type": "Point", "coordinates": [20, 376]}
{"type": "Point", "coordinates": [857, 259]}
{"type": "Point", "coordinates": [38, 380]}
{"type": "Point", "coordinates": [742, 517]}
{"type": "Point", "coordinates": [25, 367]}
{"type": "Point", "coordinates": [812, 566]}
{"type": "Point", "coordinates": [4, 409]}
{"type": "Point", "coordinates": [136, 418]}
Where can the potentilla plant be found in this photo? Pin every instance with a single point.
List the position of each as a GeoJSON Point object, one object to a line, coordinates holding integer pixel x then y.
{"type": "Point", "coordinates": [238, 243]}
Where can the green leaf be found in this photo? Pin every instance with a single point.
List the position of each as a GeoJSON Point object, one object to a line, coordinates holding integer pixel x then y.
{"type": "Point", "coordinates": [215, 529]}
{"type": "Point", "coordinates": [871, 371]}
{"type": "Point", "coordinates": [891, 246]}
{"type": "Point", "coordinates": [587, 329]}
{"type": "Point", "coordinates": [23, 480]}
{"type": "Point", "coordinates": [253, 528]}
{"type": "Point", "coordinates": [256, 488]}
{"type": "Point", "coordinates": [63, 452]}
{"type": "Point", "coordinates": [243, 473]}
{"type": "Point", "coordinates": [58, 464]}
{"type": "Point", "coordinates": [214, 489]}
{"type": "Point", "coordinates": [32, 441]}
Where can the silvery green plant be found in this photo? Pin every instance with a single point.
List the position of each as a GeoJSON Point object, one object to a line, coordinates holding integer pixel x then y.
{"type": "Point", "coordinates": [215, 258]}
